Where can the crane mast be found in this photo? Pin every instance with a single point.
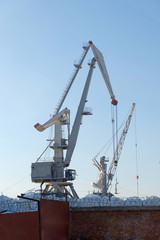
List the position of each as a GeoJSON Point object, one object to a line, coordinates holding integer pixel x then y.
{"type": "Point", "coordinates": [54, 173]}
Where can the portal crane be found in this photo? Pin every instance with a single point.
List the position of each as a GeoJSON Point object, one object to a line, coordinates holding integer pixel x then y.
{"type": "Point", "coordinates": [55, 173]}
{"type": "Point", "coordinates": [105, 179]}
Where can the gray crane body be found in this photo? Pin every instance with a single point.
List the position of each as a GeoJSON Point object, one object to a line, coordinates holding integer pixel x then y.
{"type": "Point", "coordinates": [54, 174]}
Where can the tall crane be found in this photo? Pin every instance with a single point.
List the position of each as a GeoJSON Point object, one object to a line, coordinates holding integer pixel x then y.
{"type": "Point", "coordinates": [105, 179]}
{"type": "Point", "coordinates": [55, 174]}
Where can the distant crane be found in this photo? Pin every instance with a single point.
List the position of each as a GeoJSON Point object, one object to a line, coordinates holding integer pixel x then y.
{"type": "Point", "coordinates": [55, 174]}
{"type": "Point", "coordinates": [105, 179]}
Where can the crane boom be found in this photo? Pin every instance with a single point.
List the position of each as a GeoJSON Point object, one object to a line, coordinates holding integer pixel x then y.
{"type": "Point", "coordinates": [75, 130]}
{"type": "Point", "coordinates": [100, 60]}
{"type": "Point", "coordinates": [52, 121]}
{"type": "Point", "coordinates": [78, 118]}
{"type": "Point", "coordinates": [113, 166]}
{"type": "Point", "coordinates": [78, 66]}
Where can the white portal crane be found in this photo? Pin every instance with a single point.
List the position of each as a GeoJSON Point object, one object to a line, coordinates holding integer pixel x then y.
{"type": "Point", "coordinates": [55, 173]}
{"type": "Point", "coordinates": [105, 179]}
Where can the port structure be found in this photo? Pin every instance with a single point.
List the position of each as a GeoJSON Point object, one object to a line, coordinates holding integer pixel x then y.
{"type": "Point", "coordinates": [55, 174]}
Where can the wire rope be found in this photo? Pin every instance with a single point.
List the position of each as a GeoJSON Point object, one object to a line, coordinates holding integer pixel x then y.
{"type": "Point", "coordinates": [12, 185]}
{"type": "Point", "coordinates": [136, 153]}
{"type": "Point", "coordinates": [116, 125]}
{"type": "Point", "coordinates": [110, 139]}
{"type": "Point", "coordinates": [113, 128]}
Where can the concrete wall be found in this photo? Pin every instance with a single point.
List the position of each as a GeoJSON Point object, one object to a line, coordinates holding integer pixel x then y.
{"type": "Point", "coordinates": [111, 224]}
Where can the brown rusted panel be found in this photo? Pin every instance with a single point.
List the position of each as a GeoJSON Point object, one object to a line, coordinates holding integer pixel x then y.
{"type": "Point", "coordinates": [19, 226]}
{"type": "Point", "coordinates": [54, 220]}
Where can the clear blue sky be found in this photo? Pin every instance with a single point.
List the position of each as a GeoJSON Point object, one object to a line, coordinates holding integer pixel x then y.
{"type": "Point", "coordinates": [39, 42]}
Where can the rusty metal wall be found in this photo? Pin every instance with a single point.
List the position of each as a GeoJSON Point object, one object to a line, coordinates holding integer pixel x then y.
{"type": "Point", "coordinates": [54, 220]}
{"type": "Point", "coordinates": [19, 226]}
{"type": "Point", "coordinates": [50, 223]}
